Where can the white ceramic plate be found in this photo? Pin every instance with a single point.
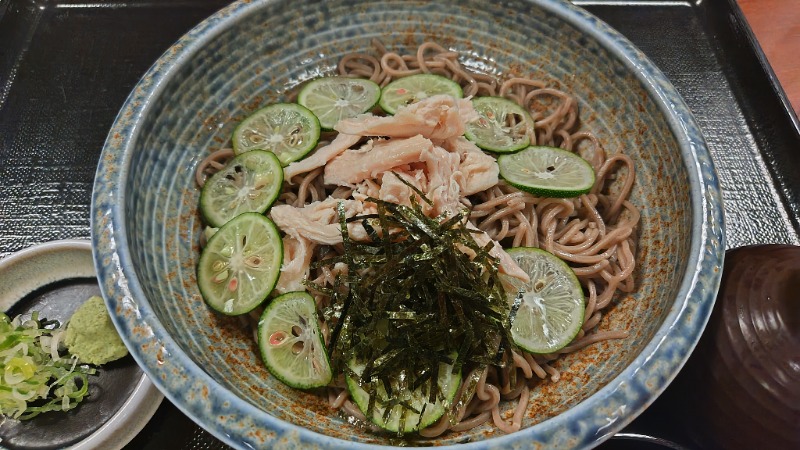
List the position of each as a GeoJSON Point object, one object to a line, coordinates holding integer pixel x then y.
{"type": "Point", "coordinates": [55, 278]}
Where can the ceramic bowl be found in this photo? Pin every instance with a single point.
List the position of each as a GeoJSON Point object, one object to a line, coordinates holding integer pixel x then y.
{"type": "Point", "coordinates": [146, 224]}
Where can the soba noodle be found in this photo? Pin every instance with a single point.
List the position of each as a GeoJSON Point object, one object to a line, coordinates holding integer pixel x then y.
{"type": "Point", "coordinates": [594, 233]}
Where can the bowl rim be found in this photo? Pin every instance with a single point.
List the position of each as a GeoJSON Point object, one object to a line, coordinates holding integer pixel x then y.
{"type": "Point", "coordinates": [633, 389]}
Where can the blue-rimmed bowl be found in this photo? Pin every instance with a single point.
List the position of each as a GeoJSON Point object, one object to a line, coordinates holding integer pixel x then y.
{"type": "Point", "coordinates": [146, 224]}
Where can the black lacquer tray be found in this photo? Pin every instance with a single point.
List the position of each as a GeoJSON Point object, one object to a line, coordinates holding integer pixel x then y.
{"type": "Point", "coordinates": [66, 67]}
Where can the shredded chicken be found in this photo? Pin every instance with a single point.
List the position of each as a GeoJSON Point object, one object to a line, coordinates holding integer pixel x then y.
{"type": "Point", "coordinates": [438, 117]}
{"type": "Point", "coordinates": [321, 156]}
{"type": "Point", "coordinates": [423, 145]}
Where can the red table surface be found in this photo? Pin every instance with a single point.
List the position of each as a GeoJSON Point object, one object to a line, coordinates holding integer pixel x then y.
{"type": "Point", "coordinates": [776, 24]}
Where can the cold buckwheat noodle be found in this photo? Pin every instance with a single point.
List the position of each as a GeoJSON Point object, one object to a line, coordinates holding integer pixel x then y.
{"type": "Point", "coordinates": [594, 233]}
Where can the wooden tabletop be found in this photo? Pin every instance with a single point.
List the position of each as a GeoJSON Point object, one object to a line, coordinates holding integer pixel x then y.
{"type": "Point", "coordinates": [776, 24]}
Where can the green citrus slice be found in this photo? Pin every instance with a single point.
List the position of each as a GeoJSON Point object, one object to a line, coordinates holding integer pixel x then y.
{"type": "Point", "coordinates": [251, 182]}
{"type": "Point", "coordinates": [291, 343]}
{"type": "Point", "coordinates": [398, 416]}
{"type": "Point", "coordinates": [413, 88]}
{"type": "Point", "coordinates": [550, 306]}
{"type": "Point", "coordinates": [502, 126]}
{"type": "Point", "coordinates": [332, 99]}
{"type": "Point", "coordinates": [287, 129]}
{"type": "Point", "coordinates": [240, 264]}
{"type": "Point", "coordinates": [547, 172]}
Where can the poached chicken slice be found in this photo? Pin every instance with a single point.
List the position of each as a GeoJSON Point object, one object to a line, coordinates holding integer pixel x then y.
{"type": "Point", "coordinates": [297, 253]}
{"type": "Point", "coordinates": [507, 264]}
{"type": "Point", "coordinates": [355, 166]}
{"type": "Point", "coordinates": [321, 156]}
{"type": "Point", "coordinates": [438, 117]}
{"type": "Point", "coordinates": [477, 170]}
{"type": "Point", "coordinates": [319, 221]}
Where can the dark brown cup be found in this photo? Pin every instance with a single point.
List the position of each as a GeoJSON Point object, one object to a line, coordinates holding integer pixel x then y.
{"type": "Point", "coordinates": [741, 387]}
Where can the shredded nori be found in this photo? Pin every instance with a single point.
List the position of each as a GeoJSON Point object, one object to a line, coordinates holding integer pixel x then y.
{"type": "Point", "coordinates": [418, 293]}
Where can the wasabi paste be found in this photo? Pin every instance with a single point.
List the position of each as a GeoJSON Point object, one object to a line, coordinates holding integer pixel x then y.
{"type": "Point", "coordinates": [91, 336]}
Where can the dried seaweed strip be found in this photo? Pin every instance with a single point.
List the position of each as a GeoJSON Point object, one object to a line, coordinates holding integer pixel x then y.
{"type": "Point", "coordinates": [414, 299]}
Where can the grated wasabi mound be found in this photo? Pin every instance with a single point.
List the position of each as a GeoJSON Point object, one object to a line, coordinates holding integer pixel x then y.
{"type": "Point", "coordinates": [91, 336]}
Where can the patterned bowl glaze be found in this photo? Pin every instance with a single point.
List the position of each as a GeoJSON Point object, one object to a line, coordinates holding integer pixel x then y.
{"type": "Point", "coordinates": [146, 223]}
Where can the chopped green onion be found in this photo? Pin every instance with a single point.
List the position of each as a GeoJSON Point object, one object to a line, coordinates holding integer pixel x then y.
{"type": "Point", "coordinates": [34, 377]}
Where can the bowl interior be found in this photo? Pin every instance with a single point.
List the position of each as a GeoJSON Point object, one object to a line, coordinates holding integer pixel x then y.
{"type": "Point", "coordinates": [262, 57]}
